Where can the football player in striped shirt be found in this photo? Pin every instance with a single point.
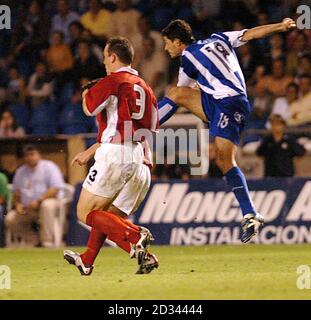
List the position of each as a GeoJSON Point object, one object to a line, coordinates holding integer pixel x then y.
{"type": "Point", "coordinates": [211, 85]}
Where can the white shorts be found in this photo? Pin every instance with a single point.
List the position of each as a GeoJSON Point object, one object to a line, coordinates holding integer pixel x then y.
{"type": "Point", "coordinates": [119, 173]}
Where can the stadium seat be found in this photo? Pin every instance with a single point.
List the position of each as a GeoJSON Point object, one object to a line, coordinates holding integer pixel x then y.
{"type": "Point", "coordinates": [43, 120]}
{"type": "Point", "coordinates": [73, 121]}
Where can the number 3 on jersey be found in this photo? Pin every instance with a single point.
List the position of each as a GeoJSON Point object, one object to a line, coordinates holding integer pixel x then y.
{"type": "Point", "coordinates": [92, 175]}
{"type": "Point", "coordinates": [140, 102]}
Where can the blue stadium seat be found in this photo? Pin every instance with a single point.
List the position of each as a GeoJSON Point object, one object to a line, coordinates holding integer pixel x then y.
{"type": "Point", "coordinates": [72, 120]}
{"type": "Point", "coordinates": [161, 17]}
{"type": "Point", "coordinates": [43, 120]}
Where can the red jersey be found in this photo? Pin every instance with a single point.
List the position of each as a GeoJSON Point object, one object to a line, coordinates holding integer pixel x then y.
{"type": "Point", "coordinates": [123, 103]}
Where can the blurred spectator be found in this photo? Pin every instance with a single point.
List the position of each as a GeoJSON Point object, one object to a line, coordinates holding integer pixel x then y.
{"type": "Point", "coordinates": [4, 201]}
{"type": "Point", "coordinates": [64, 17]}
{"type": "Point", "coordinates": [145, 31]}
{"type": "Point", "coordinates": [279, 150]}
{"type": "Point", "coordinates": [247, 61]}
{"type": "Point", "coordinates": [59, 55]}
{"type": "Point", "coordinates": [276, 83]}
{"type": "Point", "coordinates": [304, 65]}
{"type": "Point", "coordinates": [4, 102]}
{"type": "Point", "coordinates": [31, 32]}
{"type": "Point", "coordinates": [40, 86]}
{"type": "Point", "coordinates": [304, 84]}
{"type": "Point", "coordinates": [97, 20]}
{"type": "Point", "coordinates": [262, 18]}
{"type": "Point", "coordinates": [298, 49]}
{"type": "Point", "coordinates": [206, 9]}
{"type": "Point", "coordinates": [276, 48]}
{"type": "Point", "coordinates": [36, 185]}
{"type": "Point", "coordinates": [75, 31]}
{"type": "Point", "coordinates": [300, 109]}
{"type": "Point", "coordinates": [206, 16]}
{"type": "Point", "coordinates": [96, 49]}
{"type": "Point", "coordinates": [125, 20]}
{"type": "Point", "coordinates": [153, 67]}
{"type": "Point", "coordinates": [9, 127]}
{"type": "Point", "coordinates": [256, 120]}
{"type": "Point", "coordinates": [86, 64]}
{"type": "Point", "coordinates": [281, 104]}
{"type": "Point", "coordinates": [16, 86]}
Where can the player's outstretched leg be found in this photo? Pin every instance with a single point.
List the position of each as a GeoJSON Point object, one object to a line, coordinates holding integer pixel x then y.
{"type": "Point", "coordinates": [225, 159]}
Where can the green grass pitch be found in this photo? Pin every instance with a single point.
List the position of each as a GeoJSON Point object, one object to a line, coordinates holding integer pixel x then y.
{"type": "Point", "coordinates": [207, 272]}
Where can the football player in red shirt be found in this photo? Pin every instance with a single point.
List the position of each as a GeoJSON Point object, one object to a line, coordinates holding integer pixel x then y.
{"type": "Point", "coordinates": [117, 183]}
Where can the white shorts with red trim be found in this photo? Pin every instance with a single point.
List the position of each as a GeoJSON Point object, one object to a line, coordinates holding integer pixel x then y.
{"type": "Point", "coordinates": [119, 173]}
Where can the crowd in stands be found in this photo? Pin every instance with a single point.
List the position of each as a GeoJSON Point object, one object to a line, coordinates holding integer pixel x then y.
{"type": "Point", "coordinates": [54, 47]}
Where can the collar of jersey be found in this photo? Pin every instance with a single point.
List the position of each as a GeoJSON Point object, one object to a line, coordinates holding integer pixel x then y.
{"type": "Point", "coordinates": [127, 69]}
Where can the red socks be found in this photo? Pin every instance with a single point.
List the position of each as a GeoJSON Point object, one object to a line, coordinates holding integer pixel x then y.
{"type": "Point", "coordinates": [94, 244]}
{"type": "Point", "coordinates": [112, 225]}
{"type": "Point", "coordinates": [119, 230]}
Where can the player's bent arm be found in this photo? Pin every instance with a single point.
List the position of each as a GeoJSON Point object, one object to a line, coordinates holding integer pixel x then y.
{"type": "Point", "coordinates": [266, 30]}
{"type": "Point", "coordinates": [83, 157]}
{"type": "Point", "coordinates": [84, 106]}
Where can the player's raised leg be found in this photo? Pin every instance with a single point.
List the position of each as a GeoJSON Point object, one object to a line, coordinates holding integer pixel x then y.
{"type": "Point", "coordinates": [227, 136]}
{"type": "Point", "coordinates": [180, 97]}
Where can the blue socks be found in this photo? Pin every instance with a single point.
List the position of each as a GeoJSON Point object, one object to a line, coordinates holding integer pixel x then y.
{"type": "Point", "coordinates": [167, 108]}
{"type": "Point", "coordinates": [236, 179]}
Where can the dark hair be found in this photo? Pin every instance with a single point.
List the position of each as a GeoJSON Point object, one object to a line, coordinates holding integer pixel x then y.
{"type": "Point", "coordinates": [293, 85]}
{"type": "Point", "coordinates": [78, 24]}
{"type": "Point", "coordinates": [305, 75]}
{"type": "Point", "coordinates": [14, 124]}
{"type": "Point", "coordinates": [60, 33]}
{"type": "Point", "coordinates": [30, 147]}
{"type": "Point", "coordinates": [179, 29]}
{"type": "Point", "coordinates": [122, 48]}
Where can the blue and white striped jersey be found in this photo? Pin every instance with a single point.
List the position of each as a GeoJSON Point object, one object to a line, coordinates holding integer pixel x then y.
{"type": "Point", "coordinates": [213, 65]}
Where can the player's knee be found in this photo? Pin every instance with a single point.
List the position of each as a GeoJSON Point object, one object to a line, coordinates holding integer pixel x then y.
{"type": "Point", "coordinates": [175, 94]}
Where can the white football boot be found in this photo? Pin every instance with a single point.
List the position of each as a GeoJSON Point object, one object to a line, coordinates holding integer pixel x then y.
{"type": "Point", "coordinates": [75, 259]}
{"type": "Point", "coordinates": [251, 224]}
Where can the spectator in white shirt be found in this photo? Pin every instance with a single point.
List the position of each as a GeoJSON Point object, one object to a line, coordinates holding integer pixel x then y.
{"type": "Point", "coordinates": [36, 185]}
{"type": "Point", "coordinates": [281, 105]}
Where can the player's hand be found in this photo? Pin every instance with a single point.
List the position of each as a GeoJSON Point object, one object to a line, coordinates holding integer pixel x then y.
{"type": "Point", "coordinates": [288, 24]}
{"type": "Point", "coordinates": [81, 158]}
{"type": "Point", "coordinates": [90, 84]}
